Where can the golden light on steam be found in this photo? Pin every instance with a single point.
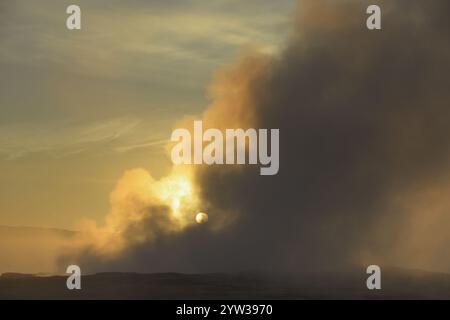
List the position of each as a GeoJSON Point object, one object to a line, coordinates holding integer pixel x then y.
{"type": "Point", "coordinates": [147, 206]}
{"type": "Point", "coordinates": [178, 192]}
{"type": "Point", "coordinates": [173, 190]}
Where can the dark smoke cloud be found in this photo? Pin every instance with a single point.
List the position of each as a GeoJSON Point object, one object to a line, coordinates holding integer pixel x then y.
{"type": "Point", "coordinates": [364, 126]}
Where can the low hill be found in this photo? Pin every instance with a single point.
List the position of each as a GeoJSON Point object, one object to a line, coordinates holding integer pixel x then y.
{"type": "Point", "coordinates": [396, 284]}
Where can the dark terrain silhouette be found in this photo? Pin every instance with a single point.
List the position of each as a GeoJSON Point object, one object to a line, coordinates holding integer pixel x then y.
{"type": "Point", "coordinates": [396, 284]}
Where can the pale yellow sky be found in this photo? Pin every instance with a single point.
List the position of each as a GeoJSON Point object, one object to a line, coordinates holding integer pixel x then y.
{"type": "Point", "coordinates": [78, 108]}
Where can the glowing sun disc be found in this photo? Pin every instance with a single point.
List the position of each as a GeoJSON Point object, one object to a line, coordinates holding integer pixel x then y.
{"type": "Point", "coordinates": [201, 218]}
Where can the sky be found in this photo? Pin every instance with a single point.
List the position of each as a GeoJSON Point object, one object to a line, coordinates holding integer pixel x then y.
{"type": "Point", "coordinates": [78, 108]}
{"type": "Point", "coordinates": [363, 118]}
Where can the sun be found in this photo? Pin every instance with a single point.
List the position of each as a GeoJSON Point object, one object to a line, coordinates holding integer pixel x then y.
{"type": "Point", "coordinates": [201, 218]}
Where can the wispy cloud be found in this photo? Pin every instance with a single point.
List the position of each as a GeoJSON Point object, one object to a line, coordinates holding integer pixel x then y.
{"type": "Point", "coordinates": [117, 40]}
{"type": "Point", "coordinates": [64, 140]}
{"type": "Point", "coordinates": [144, 144]}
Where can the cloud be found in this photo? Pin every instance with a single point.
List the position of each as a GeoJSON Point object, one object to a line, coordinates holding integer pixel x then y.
{"type": "Point", "coordinates": [171, 32]}
{"type": "Point", "coordinates": [127, 60]}
{"type": "Point", "coordinates": [142, 210]}
{"type": "Point", "coordinates": [21, 140]}
{"type": "Point", "coordinates": [364, 151]}
{"type": "Point", "coordinates": [362, 120]}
